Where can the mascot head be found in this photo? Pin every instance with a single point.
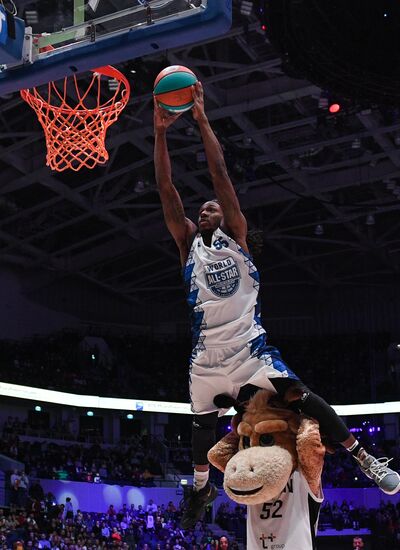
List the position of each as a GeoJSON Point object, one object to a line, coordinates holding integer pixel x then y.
{"type": "Point", "coordinates": [260, 454]}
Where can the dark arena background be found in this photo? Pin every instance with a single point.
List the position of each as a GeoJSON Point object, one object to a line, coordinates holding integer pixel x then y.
{"type": "Point", "coordinates": [304, 97]}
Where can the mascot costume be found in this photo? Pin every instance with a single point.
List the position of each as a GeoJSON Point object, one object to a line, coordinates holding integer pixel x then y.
{"type": "Point", "coordinates": [272, 461]}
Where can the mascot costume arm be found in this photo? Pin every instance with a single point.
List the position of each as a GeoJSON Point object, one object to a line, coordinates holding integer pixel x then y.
{"type": "Point", "coordinates": [311, 453]}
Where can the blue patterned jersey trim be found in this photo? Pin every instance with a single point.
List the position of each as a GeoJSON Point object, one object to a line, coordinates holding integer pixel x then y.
{"type": "Point", "coordinates": [196, 312]}
{"type": "Point", "coordinates": [254, 274]}
{"type": "Point", "coordinates": [270, 355]}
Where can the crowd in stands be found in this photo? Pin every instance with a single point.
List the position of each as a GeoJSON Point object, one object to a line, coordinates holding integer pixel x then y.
{"type": "Point", "coordinates": [151, 527]}
{"type": "Point", "coordinates": [140, 463]}
{"type": "Point", "coordinates": [135, 464]}
{"type": "Point", "coordinates": [127, 366]}
{"type": "Point", "coordinates": [341, 470]}
{"type": "Point", "coordinates": [44, 523]}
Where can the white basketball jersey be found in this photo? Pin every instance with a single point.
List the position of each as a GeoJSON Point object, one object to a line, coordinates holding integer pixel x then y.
{"type": "Point", "coordinates": [222, 289]}
{"type": "Point", "coordinates": [288, 523]}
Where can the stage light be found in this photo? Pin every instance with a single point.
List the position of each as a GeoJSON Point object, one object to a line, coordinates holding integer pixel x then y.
{"type": "Point", "coordinates": [319, 229]}
{"type": "Point", "coordinates": [31, 17]}
{"type": "Point", "coordinates": [129, 416]}
{"type": "Point", "coordinates": [141, 185]}
{"type": "Point", "coordinates": [370, 220]}
{"type": "Point", "coordinates": [90, 413]}
{"type": "Point", "coordinates": [38, 408]}
{"type": "Point", "coordinates": [334, 108]}
{"type": "Point", "coordinates": [113, 84]}
{"type": "Point", "coordinates": [246, 8]}
{"type": "Point", "coordinates": [201, 156]}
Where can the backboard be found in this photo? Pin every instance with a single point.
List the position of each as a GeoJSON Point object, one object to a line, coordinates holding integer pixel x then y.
{"type": "Point", "coordinates": [72, 36]}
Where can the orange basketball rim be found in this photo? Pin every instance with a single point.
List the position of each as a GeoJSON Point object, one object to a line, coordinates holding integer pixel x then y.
{"type": "Point", "coordinates": [75, 122]}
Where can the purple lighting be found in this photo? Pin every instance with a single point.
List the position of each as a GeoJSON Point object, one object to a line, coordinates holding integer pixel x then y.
{"type": "Point", "coordinates": [371, 429]}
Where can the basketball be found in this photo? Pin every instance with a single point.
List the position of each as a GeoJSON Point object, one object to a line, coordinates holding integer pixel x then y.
{"type": "Point", "coordinates": [172, 88]}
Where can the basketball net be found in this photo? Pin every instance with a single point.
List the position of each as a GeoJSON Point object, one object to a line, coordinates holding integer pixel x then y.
{"type": "Point", "coordinates": [75, 122]}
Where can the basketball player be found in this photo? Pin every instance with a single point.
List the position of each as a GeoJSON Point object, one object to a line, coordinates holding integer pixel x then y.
{"type": "Point", "coordinates": [229, 342]}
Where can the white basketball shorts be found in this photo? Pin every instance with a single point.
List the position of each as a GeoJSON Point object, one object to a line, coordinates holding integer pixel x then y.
{"type": "Point", "coordinates": [226, 370]}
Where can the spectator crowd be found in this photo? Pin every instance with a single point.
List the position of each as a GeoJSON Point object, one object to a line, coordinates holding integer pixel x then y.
{"type": "Point", "coordinates": [149, 527]}
{"type": "Point", "coordinates": [139, 463]}
{"type": "Point", "coordinates": [127, 366]}
{"type": "Point", "coordinates": [44, 523]}
{"type": "Point", "coordinates": [135, 464]}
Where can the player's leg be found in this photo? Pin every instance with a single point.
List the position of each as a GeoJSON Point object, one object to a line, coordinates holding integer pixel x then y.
{"type": "Point", "coordinates": [204, 382]}
{"type": "Point", "coordinates": [332, 426]}
{"type": "Point", "coordinates": [266, 362]}
{"type": "Point", "coordinates": [202, 492]}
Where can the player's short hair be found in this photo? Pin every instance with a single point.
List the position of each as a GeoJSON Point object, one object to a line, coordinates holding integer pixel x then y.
{"type": "Point", "coordinates": [211, 200]}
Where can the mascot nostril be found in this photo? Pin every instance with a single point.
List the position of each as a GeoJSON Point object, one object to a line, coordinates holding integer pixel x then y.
{"type": "Point", "coordinates": [272, 461]}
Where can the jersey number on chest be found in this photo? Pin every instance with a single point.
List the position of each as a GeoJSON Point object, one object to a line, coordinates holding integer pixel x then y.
{"type": "Point", "coordinates": [220, 243]}
{"type": "Point", "coordinates": [271, 510]}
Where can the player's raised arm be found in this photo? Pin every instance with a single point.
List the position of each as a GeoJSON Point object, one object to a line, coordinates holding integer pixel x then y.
{"type": "Point", "coordinates": [180, 227]}
{"type": "Point", "coordinates": [234, 219]}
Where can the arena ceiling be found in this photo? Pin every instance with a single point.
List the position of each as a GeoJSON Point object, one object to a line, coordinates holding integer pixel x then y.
{"type": "Point", "coordinates": [322, 190]}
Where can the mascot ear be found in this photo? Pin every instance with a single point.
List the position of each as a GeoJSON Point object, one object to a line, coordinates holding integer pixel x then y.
{"type": "Point", "coordinates": [223, 451]}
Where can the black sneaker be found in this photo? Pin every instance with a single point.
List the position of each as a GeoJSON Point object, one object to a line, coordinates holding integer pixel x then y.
{"type": "Point", "coordinates": [195, 504]}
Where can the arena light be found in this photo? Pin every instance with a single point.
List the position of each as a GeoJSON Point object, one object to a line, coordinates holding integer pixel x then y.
{"type": "Point", "coordinates": [246, 8]}
{"type": "Point", "coordinates": [113, 84]}
{"type": "Point", "coordinates": [120, 404]}
{"type": "Point", "coordinates": [370, 220]}
{"type": "Point", "coordinates": [201, 156]}
{"type": "Point", "coordinates": [319, 229]}
{"type": "Point", "coordinates": [334, 108]}
{"type": "Point", "coordinates": [31, 17]}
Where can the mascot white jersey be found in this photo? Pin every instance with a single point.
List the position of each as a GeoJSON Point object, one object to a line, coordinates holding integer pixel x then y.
{"type": "Point", "coordinates": [222, 286]}
{"type": "Point", "coordinates": [287, 523]}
